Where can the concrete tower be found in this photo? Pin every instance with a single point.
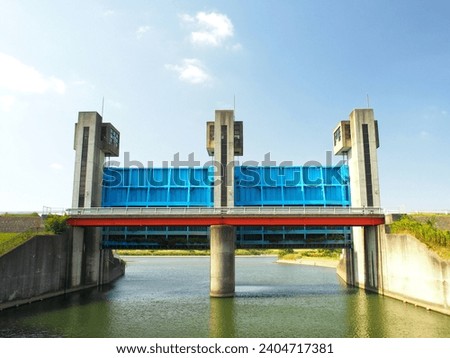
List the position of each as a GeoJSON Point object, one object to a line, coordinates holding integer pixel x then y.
{"type": "Point", "coordinates": [93, 141]}
{"type": "Point", "coordinates": [224, 140]}
{"type": "Point", "coordinates": [358, 139]}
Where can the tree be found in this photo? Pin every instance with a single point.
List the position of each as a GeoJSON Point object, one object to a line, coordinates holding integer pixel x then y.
{"type": "Point", "coordinates": [56, 223]}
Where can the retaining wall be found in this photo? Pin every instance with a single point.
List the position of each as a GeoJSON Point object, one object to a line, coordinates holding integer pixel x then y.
{"type": "Point", "coordinates": [413, 273]}
{"type": "Point", "coordinates": [44, 267]}
{"type": "Point", "coordinates": [405, 269]}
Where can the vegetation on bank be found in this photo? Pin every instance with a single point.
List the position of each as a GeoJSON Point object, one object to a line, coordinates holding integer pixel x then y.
{"type": "Point", "coordinates": [10, 240]}
{"type": "Point", "coordinates": [150, 252]}
{"type": "Point", "coordinates": [284, 254]}
{"type": "Point", "coordinates": [293, 255]}
{"type": "Point", "coordinates": [20, 215]}
{"type": "Point", "coordinates": [54, 224]}
{"type": "Point", "coordinates": [57, 224]}
{"type": "Point", "coordinates": [426, 231]}
{"type": "Point", "coordinates": [239, 252]}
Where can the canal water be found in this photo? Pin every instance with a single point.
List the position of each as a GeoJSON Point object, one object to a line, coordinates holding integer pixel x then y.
{"type": "Point", "coordinates": [169, 297]}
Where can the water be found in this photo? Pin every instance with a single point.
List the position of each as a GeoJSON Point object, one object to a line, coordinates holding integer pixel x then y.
{"type": "Point", "coordinates": [169, 297]}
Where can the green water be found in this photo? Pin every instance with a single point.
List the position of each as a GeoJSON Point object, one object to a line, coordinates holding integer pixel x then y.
{"type": "Point", "coordinates": [169, 297]}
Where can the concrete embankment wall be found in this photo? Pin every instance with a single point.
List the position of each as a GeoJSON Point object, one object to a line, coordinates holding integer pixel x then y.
{"type": "Point", "coordinates": [399, 266]}
{"type": "Point", "coordinates": [413, 273]}
{"type": "Point", "coordinates": [47, 266]}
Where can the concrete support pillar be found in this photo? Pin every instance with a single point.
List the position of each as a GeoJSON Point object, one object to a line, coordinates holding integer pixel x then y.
{"type": "Point", "coordinates": [92, 255]}
{"type": "Point", "coordinates": [345, 268]}
{"type": "Point", "coordinates": [358, 139]}
{"type": "Point", "coordinates": [371, 257]}
{"type": "Point", "coordinates": [224, 140]}
{"type": "Point", "coordinates": [77, 257]}
{"type": "Point", "coordinates": [223, 239]}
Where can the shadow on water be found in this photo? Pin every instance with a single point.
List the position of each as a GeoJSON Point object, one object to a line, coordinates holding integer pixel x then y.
{"type": "Point", "coordinates": [35, 320]}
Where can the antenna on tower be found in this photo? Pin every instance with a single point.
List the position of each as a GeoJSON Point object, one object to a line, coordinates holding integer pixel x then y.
{"type": "Point", "coordinates": [368, 101]}
{"type": "Point", "coordinates": [234, 103]}
{"type": "Point", "coordinates": [103, 104]}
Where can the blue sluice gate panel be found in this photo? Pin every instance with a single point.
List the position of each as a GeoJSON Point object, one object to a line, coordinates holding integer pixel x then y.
{"type": "Point", "coordinates": [303, 186]}
{"type": "Point", "coordinates": [254, 186]}
{"type": "Point", "coordinates": [157, 187]}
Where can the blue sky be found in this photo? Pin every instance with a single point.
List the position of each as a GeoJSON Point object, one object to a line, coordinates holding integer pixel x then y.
{"type": "Point", "coordinates": [295, 68]}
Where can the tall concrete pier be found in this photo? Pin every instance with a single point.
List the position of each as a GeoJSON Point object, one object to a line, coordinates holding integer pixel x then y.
{"type": "Point", "coordinates": [357, 139]}
{"type": "Point", "coordinates": [224, 140]}
{"type": "Point", "coordinates": [94, 140]}
{"type": "Point", "coordinates": [222, 247]}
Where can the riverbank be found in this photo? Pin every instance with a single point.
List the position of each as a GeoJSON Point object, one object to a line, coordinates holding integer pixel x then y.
{"type": "Point", "coordinates": [322, 261]}
{"type": "Point", "coordinates": [312, 261]}
{"type": "Point", "coordinates": [238, 252]}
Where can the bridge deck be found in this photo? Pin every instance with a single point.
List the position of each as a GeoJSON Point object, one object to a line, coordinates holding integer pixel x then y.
{"type": "Point", "coordinates": [237, 216]}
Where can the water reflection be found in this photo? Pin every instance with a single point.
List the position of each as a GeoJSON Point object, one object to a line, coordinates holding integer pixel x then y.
{"type": "Point", "coordinates": [372, 315]}
{"type": "Point", "coordinates": [169, 297]}
{"type": "Point", "coordinates": [222, 318]}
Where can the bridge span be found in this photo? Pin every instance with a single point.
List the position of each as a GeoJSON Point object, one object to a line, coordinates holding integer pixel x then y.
{"type": "Point", "coordinates": [236, 216]}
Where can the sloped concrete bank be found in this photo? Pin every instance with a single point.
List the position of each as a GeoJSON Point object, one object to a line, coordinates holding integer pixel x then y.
{"type": "Point", "coordinates": [403, 268]}
{"type": "Point", "coordinates": [51, 265]}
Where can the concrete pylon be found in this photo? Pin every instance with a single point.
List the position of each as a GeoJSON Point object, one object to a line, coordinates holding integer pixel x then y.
{"type": "Point", "coordinates": [224, 140]}
{"type": "Point", "coordinates": [222, 260]}
{"type": "Point", "coordinates": [357, 138]}
{"type": "Point", "coordinates": [93, 142]}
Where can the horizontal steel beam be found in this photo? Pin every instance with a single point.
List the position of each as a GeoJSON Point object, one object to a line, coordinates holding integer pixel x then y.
{"type": "Point", "coordinates": [254, 220]}
{"type": "Point", "coordinates": [238, 211]}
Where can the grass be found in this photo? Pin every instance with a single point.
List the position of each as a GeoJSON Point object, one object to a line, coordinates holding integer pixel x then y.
{"type": "Point", "coordinates": [238, 252]}
{"type": "Point", "coordinates": [163, 252]}
{"type": "Point", "coordinates": [256, 252]}
{"type": "Point", "coordinates": [426, 231]}
{"type": "Point", "coordinates": [20, 215]}
{"type": "Point", "coordinates": [9, 241]}
{"type": "Point", "coordinates": [290, 254]}
{"type": "Point", "coordinates": [285, 254]}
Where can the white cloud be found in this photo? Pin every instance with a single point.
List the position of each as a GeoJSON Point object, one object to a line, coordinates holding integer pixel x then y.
{"type": "Point", "coordinates": [191, 71]}
{"type": "Point", "coordinates": [56, 166]}
{"type": "Point", "coordinates": [18, 77]}
{"type": "Point", "coordinates": [7, 102]}
{"type": "Point", "coordinates": [211, 28]}
{"type": "Point", "coordinates": [141, 31]}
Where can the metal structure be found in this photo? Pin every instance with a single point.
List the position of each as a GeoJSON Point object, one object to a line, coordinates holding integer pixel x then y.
{"type": "Point", "coordinates": [148, 226]}
{"type": "Point", "coordinates": [157, 187]}
{"type": "Point", "coordinates": [296, 189]}
{"type": "Point", "coordinates": [291, 186]}
{"type": "Point", "coordinates": [280, 190]}
{"type": "Point", "coordinates": [253, 186]}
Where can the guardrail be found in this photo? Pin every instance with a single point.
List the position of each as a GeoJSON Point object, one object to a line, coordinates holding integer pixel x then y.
{"type": "Point", "coordinates": [206, 211]}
